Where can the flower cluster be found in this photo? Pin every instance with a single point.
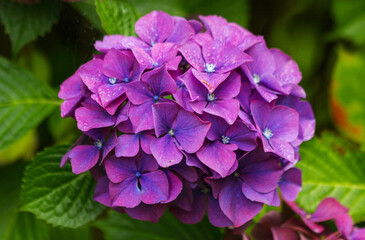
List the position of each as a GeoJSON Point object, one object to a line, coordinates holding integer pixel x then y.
{"type": "Point", "coordinates": [277, 226]}
{"type": "Point", "coordinates": [190, 120]}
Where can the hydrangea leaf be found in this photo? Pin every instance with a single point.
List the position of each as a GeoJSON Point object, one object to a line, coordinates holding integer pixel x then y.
{"type": "Point", "coordinates": [26, 22]}
{"type": "Point", "coordinates": [87, 9]}
{"type": "Point", "coordinates": [117, 16]}
{"type": "Point", "coordinates": [10, 182]}
{"type": "Point", "coordinates": [55, 194]}
{"type": "Point", "coordinates": [349, 17]}
{"type": "Point", "coordinates": [172, 7]}
{"type": "Point", "coordinates": [24, 102]}
{"type": "Point", "coordinates": [333, 167]}
{"type": "Point", "coordinates": [348, 98]}
{"type": "Point", "coordinates": [117, 226]}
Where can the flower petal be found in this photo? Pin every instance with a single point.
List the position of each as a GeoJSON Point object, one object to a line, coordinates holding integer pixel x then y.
{"type": "Point", "coordinates": [83, 158]}
{"type": "Point", "coordinates": [126, 193]}
{"type": "Point", "coordinates": [119, 169]}
{"type": "Point", "coordinates": [128, 145]}
{"type": "Point", "coordinates": [154, 187]}
{"type": "Point", "coordinates": [165, 151]}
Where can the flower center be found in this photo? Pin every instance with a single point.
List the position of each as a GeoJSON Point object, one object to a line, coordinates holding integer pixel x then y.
{"type": "Point", "coordinates": [112, 80]}
{"type": "Point", "coordinates": [171, 132]}
{"type": "Point", "coordinates": [126, 80]}
{"type": "Point", "coordinates": [98, 144]}
{"type": "Point", "coordinates": [236, 174]}
{"type": "Point", "coordinates": [225, 139]}
{"type": "Point", "coordinates": [155, 65]}
{"type": "Point", "coordinates": [138, 174]}
{"type": "Point", "coordinates": [155, 98]}
{"type": "Point", "coordinates": [268, 134]}
{"type": "Point", "coordinates": [210, 68]}
{"type": "Point", "coordinates": [211, 97]}
{"type": "Point", "coordinates": [256, 78]}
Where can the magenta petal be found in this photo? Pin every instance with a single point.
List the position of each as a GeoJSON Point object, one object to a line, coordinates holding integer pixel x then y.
{"type": "Point", "coordinates": [128, 145]}
{"type": "Point", "coordinates": [230, 88]}
{"type": "Point", "coordinates": [193, 55]}
{"type": "Point", "coordinates": [119, 169]}
{"type": "Point", "coordinates": [160, 82]}
{"type": "Point", "coordinates": [71, 87]}
{"type": "Point", "coordinates": [118, 64]}
{"type": "Point", "coordinates": [109, 42]}
{"type": "Point", "coordinates": [214, 24]}
{"type": "Point", "coordinates": [101, 191]}
{"type": "Point", "coordinates": [279, 233]}
{"type": "Point", "coordinates": [141, 116]}
{"type": "Point", "coordinates": [143, 58]}
{"type": "Point", "coordinates": [68, 106]}
{"type": "Point", "coordinates": [262, 176]}
{"type": "Point", "coordinates": [218, 127]}
{"type": "Point", "coordinates": [196, 89]}
{"type": "Point", "coordinates": [182, 31]}
{"type": "Point", "coordinates": [146, 212]}
{"type": "Point", "coordinates": [228, 109]}
{"type": "Point", "coordinates": [125, 194]}
{"type": "Point", "coordinates": [154, 187]}
{"type": "Point", "coordinates": [193, 216]}
{"type": "Point", "coordinates": [163, 53]}
{"type": "Point", "coordinates": [242, 136]}
{"type": "Point", "coordinates": [260, 112]}
{"type": "Point", "coordinates": [165, 151]}
{"type": "Point", "coordinates": [175, 187]}
{"type": "Point", "coordinates": [247, 120]}
{"type": "Point", "coordinates": [196, 25]}
{"type": "Point", "coordinates": [307, 123]}
{"type": "Point", "coordinates": [281, 148]}
{"type": "Point", "coordinates": [146, 140]}
{"type": "Point", "coordinates": [164, 115]}
{"type": "Point", "coordinates": [182, 97]}
{"type": "Point", "coordinates": [218, 156]}
{"type": "Point", "coordinates": [110, 144]}
{"type": "Point", "coordinates": [328, 209]}
{"type": "Point", "coordinates": [91, 74]}
{"type": "Point", "coordinates": [244, 96]}
{"type": "Point", "coordinates": [83, 158]}
{"type": "Point", "coordinates": [138, 92]}
{"type": "Point", "coordinates": [210, 80]}
{"type": "Point", "coordinates": [154, 27]}
{"type": "Point", "coordinates": [255, 196]}
{"type": "Point", "coordinates": [236, 206]}
{"type": "Point", "coordinates": [88, 119]}
{"type": "Point", "coordinates": [110, 92]}
{"type": "Point", "coordinates": [345, 224]}
{"type": "Point", "coordinates": [215, 214]}
{"type": "Point", "coordinates": [134, 42]}
{"type": "Point", "coordinates": [291, 184]}
{"type": "Point", "coordinates": [190, 131]}
{"type": "Point", "coordinates": [286, 128]}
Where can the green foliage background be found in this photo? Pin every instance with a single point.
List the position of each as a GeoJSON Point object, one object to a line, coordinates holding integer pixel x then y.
{"type": "Point", "coordinates": [43, 44]}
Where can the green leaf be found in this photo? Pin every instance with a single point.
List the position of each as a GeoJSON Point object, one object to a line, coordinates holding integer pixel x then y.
{"type": "Point", "coordinates": [349, 16]}
{"type": "Point", "coordinates": [26, 22]}
{"type": "Point", "coordinates": [24, 102]}
{"type": "Point", "coordinates": [55, 194]}
{"type": "Point", "coordinates": [172, 7]}
{"type": "Point", "coordinates": [119, 226]}
{"type": "Point", "coordinates": [87, 9]}
{"type": "Point", "coordinates": [10, 181]}
{"type": "Point", "coordinates": [348, 98]}
{"type": "Point", "coordinates": [117, 16]}
{"type": "Point", "coordinates": [333, 167]}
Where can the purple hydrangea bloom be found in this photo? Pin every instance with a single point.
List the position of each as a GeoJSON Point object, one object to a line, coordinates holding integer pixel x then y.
{"type": "Point", "coordinates": [190, 120]}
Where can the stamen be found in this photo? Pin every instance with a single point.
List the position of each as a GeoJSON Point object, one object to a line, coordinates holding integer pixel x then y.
{"type": "Point", "coordinates": [156, 98]}
{"type": "Point", "coordinates": [268, 134]}
{"type": "Point", "coordinates": [256, 78]}
{"type": "Point", "coordinates": [171, 132]}
{"type": "Point", "coordinates": [138, 174]}
{"type": "Point", "coordinates": [155, 65]}
{"type": "Point", "coordinates": [211, 97]}
{"type": "Point", "coordinates": [210, 68]}
{"type": "Point", "coordinates": [126, 80]}
{"type": "Point", "coordinates": [225, 139]}
{"type": "Point", "coordinates": [112, 80]}
{"type": "Point", "coordinates": [98, 144]}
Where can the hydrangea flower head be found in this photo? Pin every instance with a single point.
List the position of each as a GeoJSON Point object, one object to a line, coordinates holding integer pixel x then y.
{"type": "Point", "coordinates": [188, 120]}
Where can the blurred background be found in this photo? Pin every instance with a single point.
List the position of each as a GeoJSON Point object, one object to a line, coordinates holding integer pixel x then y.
{"type": "Point", "coordinates": [51, 39]}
